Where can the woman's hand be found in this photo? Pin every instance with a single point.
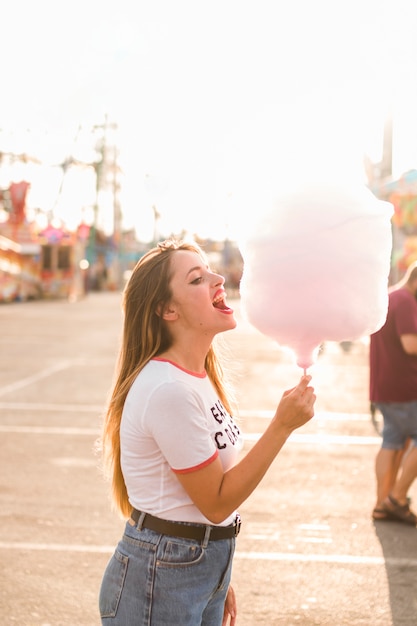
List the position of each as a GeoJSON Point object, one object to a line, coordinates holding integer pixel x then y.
{"type": "Point", "coordinates": [230, 608]}
{"type": "Point", "coordinates": [296, 406]}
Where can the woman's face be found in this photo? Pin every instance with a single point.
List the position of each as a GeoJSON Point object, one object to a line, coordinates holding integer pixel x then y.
{"type": "Point", "coordinates": [198, 296]}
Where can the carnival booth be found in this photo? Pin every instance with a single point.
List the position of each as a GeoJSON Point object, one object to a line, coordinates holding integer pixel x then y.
{"type": "Point", "coordinates": [57, 262]}
{"type": "Point", "coordinates": [19, 270]}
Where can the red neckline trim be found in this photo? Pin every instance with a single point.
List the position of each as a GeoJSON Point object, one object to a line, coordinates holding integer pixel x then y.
{"type": "Point", "coordinates": [196, 374]}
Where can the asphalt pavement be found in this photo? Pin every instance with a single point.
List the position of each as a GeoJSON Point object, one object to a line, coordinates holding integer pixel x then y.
{"type": "Point", "coordinates": [308, 553]}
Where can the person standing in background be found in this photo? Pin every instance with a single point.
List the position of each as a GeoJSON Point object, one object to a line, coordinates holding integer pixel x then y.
{"type": "Point", "coordinates": [393, 390]}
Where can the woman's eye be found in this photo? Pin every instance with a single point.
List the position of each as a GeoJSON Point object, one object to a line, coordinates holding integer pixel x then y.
{"type": "Point", "coordinates": [197, 281]}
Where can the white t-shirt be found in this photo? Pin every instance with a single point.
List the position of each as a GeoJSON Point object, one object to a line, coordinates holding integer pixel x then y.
{"type": "Point", "coordinates": [172, 422]}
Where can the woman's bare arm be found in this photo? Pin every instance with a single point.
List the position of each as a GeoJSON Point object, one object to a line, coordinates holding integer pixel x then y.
{"type": "Point", "coordinates": [217, 493]}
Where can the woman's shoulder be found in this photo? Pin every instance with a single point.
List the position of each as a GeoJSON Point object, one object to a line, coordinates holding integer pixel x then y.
{"type": "Point", "coordinates": [153, 372]}
{"type": "Point", "coordinates": [160, 374]}
{"type": "Point", "coordinates": [160, 386]}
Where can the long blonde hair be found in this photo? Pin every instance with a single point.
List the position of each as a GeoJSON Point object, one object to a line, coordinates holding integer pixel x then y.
{"type": "Point", "coordinates": [145, 335]}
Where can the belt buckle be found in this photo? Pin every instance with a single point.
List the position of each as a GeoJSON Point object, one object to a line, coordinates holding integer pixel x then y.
{"type": "Point", "coordinates": [237, 524]}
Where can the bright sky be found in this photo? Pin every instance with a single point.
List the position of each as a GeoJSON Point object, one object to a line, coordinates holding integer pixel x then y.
{"type": "Point", "coordinates": [217, 103]}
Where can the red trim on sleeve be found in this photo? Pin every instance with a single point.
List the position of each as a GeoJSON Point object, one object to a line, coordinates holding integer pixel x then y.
{"type": "Point", "coordinates": [187, 470]}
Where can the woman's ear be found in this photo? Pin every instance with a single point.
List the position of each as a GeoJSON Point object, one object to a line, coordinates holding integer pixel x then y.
{"type": "Point", "coordinates": [167, 313]}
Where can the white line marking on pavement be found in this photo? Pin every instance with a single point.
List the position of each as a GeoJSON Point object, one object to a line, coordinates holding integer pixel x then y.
{"type": "Point", "coordinates": [49, 430]}
{"type": "Point", "coordinates": [326, 558]}
{"type": "Point", "coordinates": [294, 438]}
{"type": "Point", "coordinates": [24, 382]}
{"type": "Point", "coordinates": [320, 415]}
{"type": "Point", "coordinates": [313, 527]}
{"type": "Point", "coordinates": [253, 556]}
{"type": "Point", "coordinates": [42, 407]}
{"type": "Point", "coordinates": [315, 539]}
{"type": "Point", "coordinates": [324, 439]}
{"type": "Point", "coordinates": [55, 547]}
{"type": "Point", "coordinates": [73, 462]}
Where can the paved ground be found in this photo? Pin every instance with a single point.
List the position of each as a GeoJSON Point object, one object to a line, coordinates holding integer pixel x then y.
{"type": "Point", "coordinates": [308, 552]}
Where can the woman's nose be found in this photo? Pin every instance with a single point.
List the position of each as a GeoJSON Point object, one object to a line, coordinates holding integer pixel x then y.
{"type": "Point", "coordinates": [218, 279]}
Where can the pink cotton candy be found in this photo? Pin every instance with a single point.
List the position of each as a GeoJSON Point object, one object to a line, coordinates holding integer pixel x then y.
{"type": "Point", "coordinates": [316, 267]}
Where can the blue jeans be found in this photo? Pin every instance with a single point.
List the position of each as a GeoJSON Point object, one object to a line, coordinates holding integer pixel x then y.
{"type": "Point", "coordinates": [157, 580]}
{"type": "Point", "coordinates": [400, 423]}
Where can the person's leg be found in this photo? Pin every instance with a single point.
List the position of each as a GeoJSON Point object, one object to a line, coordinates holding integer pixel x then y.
{"type": "Point", "coordinates": [388, 459]}
{"type": "Point", "coordinates": [408, 475]}
{"type": "Point", "coordinates": [387, 463]}
{"type": "Point", "coordinates": [407, 448]}
{"type": "Point", "coordinates": [397, 503]}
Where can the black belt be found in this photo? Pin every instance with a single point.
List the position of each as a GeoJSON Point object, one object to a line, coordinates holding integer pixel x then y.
{"type": "Point", "coordinates": [187, 531]}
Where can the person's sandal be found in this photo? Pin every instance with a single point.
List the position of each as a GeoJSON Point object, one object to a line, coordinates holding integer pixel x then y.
{"type": "Point", "coordinates": [381, 515]}
{"type": "Point", "coordinates": [399, 512]}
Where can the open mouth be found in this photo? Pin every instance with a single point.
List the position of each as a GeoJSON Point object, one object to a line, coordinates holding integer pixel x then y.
{"type": "Point", "coordinates": [220, 303]}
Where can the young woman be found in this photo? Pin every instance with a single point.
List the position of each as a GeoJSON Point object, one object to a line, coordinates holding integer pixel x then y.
{"type": "Point", "coordinates": [171, 448]}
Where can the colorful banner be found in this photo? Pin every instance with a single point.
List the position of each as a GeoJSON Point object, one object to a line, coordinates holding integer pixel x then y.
{"type": "Point", "coordinates": [18, 192]}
